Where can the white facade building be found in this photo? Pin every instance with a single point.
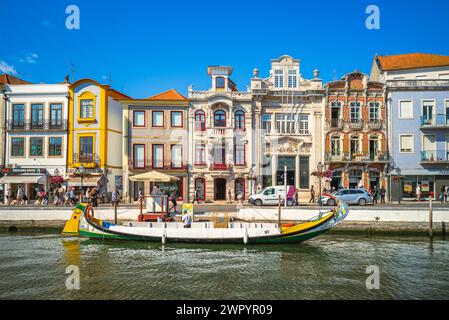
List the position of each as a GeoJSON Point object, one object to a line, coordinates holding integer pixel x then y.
{"type": "Point", "coordinates": [36, 136]}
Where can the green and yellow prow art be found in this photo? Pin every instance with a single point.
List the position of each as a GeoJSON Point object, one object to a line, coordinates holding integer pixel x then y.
{"type": "Point", "coordinates": [72, 226]}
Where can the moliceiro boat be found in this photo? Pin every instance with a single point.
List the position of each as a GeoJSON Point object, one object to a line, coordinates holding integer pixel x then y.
{"type": "Point", "coordinates": [84, 223]}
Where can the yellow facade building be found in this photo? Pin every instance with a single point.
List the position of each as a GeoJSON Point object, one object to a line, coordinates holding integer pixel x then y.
{"type": "Point", "coordinates": [94, 137]}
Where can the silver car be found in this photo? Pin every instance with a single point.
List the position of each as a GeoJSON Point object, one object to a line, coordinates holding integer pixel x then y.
{"type": "Point", "coordinates": [350, 196]}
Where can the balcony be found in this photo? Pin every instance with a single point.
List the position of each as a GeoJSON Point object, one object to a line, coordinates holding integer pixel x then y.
{"type": "Point", "coordinates": [355, 124]}
{"type": "Point", "coordinates": [28, 125]}
{"type": "Point", "coordinates": [148, 165]}
{"type": "Point", "coordinates": [219, 166]}
{"type": "Point", "coordinates": [435, 157]}
{"type": "Point", "coordinates": [435, 121]}
{"type": "Point", "coordinates": [87, 160]}
{"type": "Point", "coordinates": [335, 124]}
{"type": "Point", "coordinates": [374, 124]}
{"type": "Point", "coordinates": [220, 131]}
{"type": "Point", "coordinates": [335, 157]}
{"type": "Point", "coordinates": [372, 157]}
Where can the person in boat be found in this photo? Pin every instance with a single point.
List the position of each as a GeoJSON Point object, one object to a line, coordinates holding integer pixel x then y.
{"type": "Point", "coordinates": [187, 219]}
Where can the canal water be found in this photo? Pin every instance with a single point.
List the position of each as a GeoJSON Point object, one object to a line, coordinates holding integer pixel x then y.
{"type": "Point", "coordinates": [33, 266]}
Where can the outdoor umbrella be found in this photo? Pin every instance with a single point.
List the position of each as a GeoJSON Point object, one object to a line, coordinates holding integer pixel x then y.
{"type": "Point", "coordinates": [153, 176]}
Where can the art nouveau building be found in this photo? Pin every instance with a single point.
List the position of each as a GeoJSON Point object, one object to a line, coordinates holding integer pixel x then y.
{"type": "Point", "coordinates": [36, 136]}
{"type": "Point", "coordinates": [355, 132]}
{"type": "Point", "coordinates": [155, 137]}
{"type": "Point", "coordinates": [288, 125]}
{"type": "Point", "coordinates": [220, 141]}
{"type": "Point", "coordinates": [95, 136]}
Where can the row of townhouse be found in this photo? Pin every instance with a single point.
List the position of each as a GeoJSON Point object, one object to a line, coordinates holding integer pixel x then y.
{"type": "Point", "coordinates": [366, 129]}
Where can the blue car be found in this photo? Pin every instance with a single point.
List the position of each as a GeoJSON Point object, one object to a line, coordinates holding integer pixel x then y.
{"type": "Point", "coordinates": [350, 196]}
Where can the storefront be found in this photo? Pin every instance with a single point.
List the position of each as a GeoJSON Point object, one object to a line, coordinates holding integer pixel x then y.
{"type": "Point", "coordinates": [32, 180]}
{"type": "Point", "coordinates": [77, 183]}
{"type": "Point", "coordinates": [432, 181]}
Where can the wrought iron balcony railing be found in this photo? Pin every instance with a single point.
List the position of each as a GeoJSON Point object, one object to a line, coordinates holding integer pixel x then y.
{"type": "Point", "coordinates": [435, 120]}
{"type": "Point", "coordinates": [29, 125]}
{"type": "Point", "coordinates": [141, 164]}
{"type": "Point", "coordinates": [86, 158]}
{"type": "Point", "coordinates": [435, 156]}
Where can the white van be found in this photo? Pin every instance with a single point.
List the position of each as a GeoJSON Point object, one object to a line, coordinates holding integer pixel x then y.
{"type": "Point", "coordinates": [270, 196]}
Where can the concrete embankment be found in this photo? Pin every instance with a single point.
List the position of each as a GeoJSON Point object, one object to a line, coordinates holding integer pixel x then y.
{"type": "Point", "coordinates": [361, 220]}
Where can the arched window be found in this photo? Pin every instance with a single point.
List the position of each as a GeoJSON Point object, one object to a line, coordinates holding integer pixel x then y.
{"type": "Point", "coordinates": [335, 146]}
{"type": "Point", "coordinates": [355, 146]}
{"type": "Point", "coordinates": [239, 120]}
{"type": "Point", "coordinates": [200, 121]}
{"type": "Point", "coordinates": [200, 188]}
{"type": "Point", "coordinates": [220, 118]}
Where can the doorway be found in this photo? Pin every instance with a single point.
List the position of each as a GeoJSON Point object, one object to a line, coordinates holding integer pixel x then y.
{"type": "Point", "coordinates": [220, 189]}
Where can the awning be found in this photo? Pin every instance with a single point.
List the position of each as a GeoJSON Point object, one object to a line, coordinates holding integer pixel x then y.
{"type": "Point", "coordinates": [39, 179]}
{"type": "Point", "coordinates": [87, 181]}
{"type": "Point", "coordinates": [424, 172]}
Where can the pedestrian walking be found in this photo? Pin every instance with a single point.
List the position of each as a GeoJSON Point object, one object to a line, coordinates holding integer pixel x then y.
{"type": "Point", "coordinates": [20, 193]}
{"type": "Point", "coordinates": [229, 195]}
{"type": "Point", "coordinates": [312, 195]}
{"type": "Point", "coordinates": [418, 192]}
{"type": "Point", "coordinates": [382, 192]}
{"type": "Point", "coordinates": [375, 194]}
{"type": "Point", "coordinates": [173, 197]}
{"type": "Point", "coordinates": [115, 197]}
{"type": "Point", "coordinates": [195, 196]}
{"type": "Point", "coordinates": [296, 197]}
{"type": "Point", "coordinates": [442, 194]}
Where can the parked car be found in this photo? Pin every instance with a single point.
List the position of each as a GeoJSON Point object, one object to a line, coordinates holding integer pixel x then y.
{"type": "Point", "coordinates": [350, 196]}
{"type": "Point", "coordinates": [270, 196]}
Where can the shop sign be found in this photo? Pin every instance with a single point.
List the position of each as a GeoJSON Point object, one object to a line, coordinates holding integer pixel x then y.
{"type": "Point", "coordinates": [119, 182]}
{"type": "Point", "coordinates": [408, 188]}
{"type": "Point", "coordinates": [23, 170]}
{"type": "Point", "coordinates": [425, 186]}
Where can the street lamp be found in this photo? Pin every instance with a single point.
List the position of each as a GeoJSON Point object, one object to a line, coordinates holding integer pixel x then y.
{"type": "Point", "coordinates": [320, 168]}
{"type": "Point", "coordinates": [82, 172]}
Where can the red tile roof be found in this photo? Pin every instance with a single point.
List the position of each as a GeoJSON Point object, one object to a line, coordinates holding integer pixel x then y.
{"type": "Point", "coordinates": [8, 79]}
{"type": "Point", "coordinates": [412, 61]}
{"type": "Point", "coordinates": [170, 95]}
{"type": "Point", "coordinates": [117, 95]}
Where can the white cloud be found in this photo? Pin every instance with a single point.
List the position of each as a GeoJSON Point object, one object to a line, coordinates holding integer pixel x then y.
{"type": "Point", "coordinates": [31, 58]}
{"type": "Point", "coordinates": [6, 68]}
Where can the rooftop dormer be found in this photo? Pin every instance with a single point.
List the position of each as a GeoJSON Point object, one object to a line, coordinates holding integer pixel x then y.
{"type": "Point", "coordinates": [220, 78]}
{"type": "Point", "coordinates": [284, 73]}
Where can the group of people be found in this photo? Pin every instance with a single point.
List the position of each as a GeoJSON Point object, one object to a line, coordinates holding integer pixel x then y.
{"type": "Point", "coordinates": [376, 193]}
{"type": "Point", "coordinates": [444, 194]}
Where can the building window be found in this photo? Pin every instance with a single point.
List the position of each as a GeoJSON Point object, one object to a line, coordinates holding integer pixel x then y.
{"type": "Point", "coordinates": [158, 118]}
{"type": "Point", "coordinates": [200, 121]}
{"type": "Point", "coordinates": [18, 115]}
{"type": "Point", "coordinates": [17, 147]}
{"type": "Point", "coordinates": [158, 155]}
{"type": "Point", "coordinates": [278, 78]}
{"type": "Point", "coordinates": [37, 116]}
{"type": "Point", "coordinates": [139, 160]}
{"type": "Point", "coordinates": [406, 143]}
{"type": "Point", "coordinates": [355, 111]}
{"type": "Point", "coordinates": [239, 154]}
{"type": "Point", "coordinates": [56, 115]}
{"type": "Point", "coordinates": [355, 146]}
{"type": "Point", "coordinates": [200, 154]}
{"type": "Point", "coordinates": [86, 149]}
{"type": "Point", "coordinates": [335, 146]}
{"type": "Point", "coordinates": [406, 110]}
{"type": "Point", "coordinates": [374, 111]}
{"type": "Point", "coordinates": [176, 156]}
{"type": "Point", "coordinates": [266, 122]}
{"type": "Point", "coordinates": [303, 124]}
{"type": "Point", "coordinates": [280, 123]}
{"type": "Point", "coordinates": [292, 80]}
{"type": "Point", "coordinates": [176, 119]}
{"type": "Point", "coordinates": [304, 175]}
{"type": "Point", "coordinates": [86, 108]}
{"type": "Point", "coordinates": [239, 120]}
{"type": "Point", "coordinates": [427, 111]}
{"type": "Point", "coordinates": [219, 83]}
{"type": "Point", "coordinates": [139, 118]}
{"type": "Point", "coordinates": [55, 146]}
{"type": "Point", "coordinates": [220, 118]}
{"type": "Point", "coordinates": [36, 147]}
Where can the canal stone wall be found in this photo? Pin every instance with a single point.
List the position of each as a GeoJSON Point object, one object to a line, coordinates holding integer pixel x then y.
{"type": "Point", "coordinates": [359, 219]}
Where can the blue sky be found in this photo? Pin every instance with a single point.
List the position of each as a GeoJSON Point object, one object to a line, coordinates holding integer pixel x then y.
{"type": "Point", "coordinates": [152, 46]}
